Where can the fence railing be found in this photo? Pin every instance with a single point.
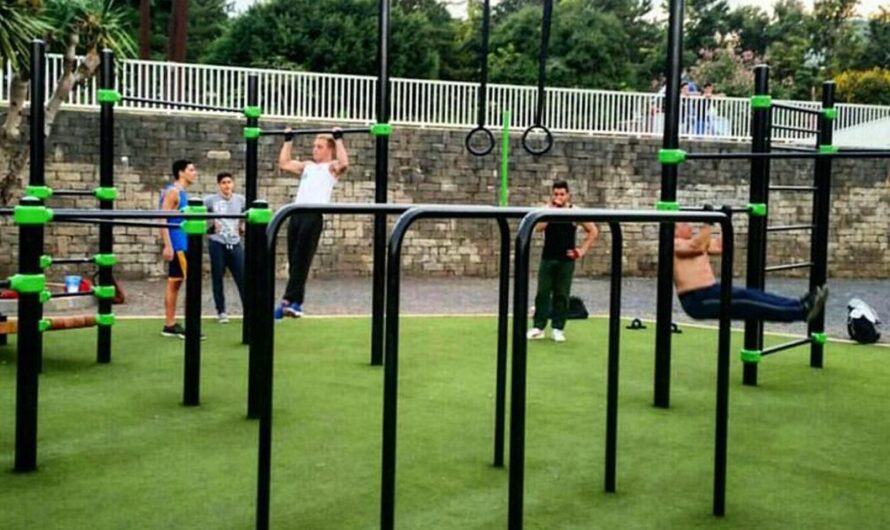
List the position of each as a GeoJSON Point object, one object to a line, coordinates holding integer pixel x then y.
{"type": "Point", "coordinates": [307, 96]}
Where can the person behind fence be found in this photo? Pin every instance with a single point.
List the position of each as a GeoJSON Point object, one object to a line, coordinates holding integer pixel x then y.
{"type": "Point", "coordinates": [558, 266]}
{"type": "Point", "coordinates": [224, 242]}
{"type": "Point", "coordinates": [699, 291]}
{"type": "Point", "coordinates": [174, 197]}
{"type": "Point", "coordinates": [318, 177]}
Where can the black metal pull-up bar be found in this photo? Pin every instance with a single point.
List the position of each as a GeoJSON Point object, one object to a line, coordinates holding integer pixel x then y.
{"type": "Point", "coordinates": [794, 155]}
{"type": "Point", "coordinates": [179, 104]}
{"type": "Point", "coordinates": [312, 132]}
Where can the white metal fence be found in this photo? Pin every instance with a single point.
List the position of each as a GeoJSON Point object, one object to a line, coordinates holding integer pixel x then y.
{"type": "Point", "coordinates": [330, 97]}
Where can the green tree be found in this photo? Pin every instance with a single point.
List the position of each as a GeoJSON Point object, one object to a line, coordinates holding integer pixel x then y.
{"type": "Point", "coordinates": [707, 24]}
{"type": "Point", "coordinates": [207, 21]}
{"type": "Point", "coordinates": [864, 86]}
{"type": "Point", "coordinates": [79, 29]}
{"type": "Point", "coordinates": [749, 25]}
{"type": "Point", "coordinates": [877, 50]}
{"type": "Point", "coordinates": [794, 68]}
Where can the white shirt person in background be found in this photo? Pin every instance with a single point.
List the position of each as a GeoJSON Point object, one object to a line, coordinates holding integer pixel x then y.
{"type": "Point", "coordinates": [224, 243]}
{"type": "Point", "coordinates": [318, 177]}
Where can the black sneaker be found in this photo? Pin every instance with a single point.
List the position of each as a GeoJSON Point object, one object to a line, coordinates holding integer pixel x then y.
{"type": "Point", "coordinates": [815, 302]}
{"type": "Point", "coordinates": [175, 330]}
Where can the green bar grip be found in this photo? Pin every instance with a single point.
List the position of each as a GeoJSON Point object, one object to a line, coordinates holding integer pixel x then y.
{"type": "Point", "coordinates": [381, 129]}
{"type": "Point", "coordinates": [828, 149]}
{"type": "Point", "coordinates": [252, 111]}
{"type": "Point", "coordinates": [104, 292]}
{"type": "Point", "coordinates": [829, 113]}
{"type": "Point", "coordinates": [32, 215]}
{"type": "Point", "coordinates": [106, 194]}
{"type": "Point", "coordinates": [667, 206]}
{"type": "Point", "coordinates": [40, 192]}
{"type": "Point", "coordinates": [105, 260]}
{"type": "Point", "coordinates": [105, 319]}
{"type": "Point", "coordinates": [27, 283]}
{"type": "Point", "coordinates": [44, 325]}
{"type": "Point", "coordinates": [751, 356]}
{"type": "Point", "coordinates": [757, 209]}
{"type": "Point", "coordinates": [45, 296]}
{"type": "Point", "coordinates": [259, 216]}
{"type": "Point", "coordinates": [762, 101]}
{"type": "Point", "coordinates": [194, 226]}
{"type": "Point", "coordinates": [819, 338]}
{"type": "Point", "coordinates": [671, 157]}
{"type": "Point", "coordinates": [46, 261]}
{"type": "Point", "coordinates": [252, 133]}
{"type": "Point", "coordinates": [108, 95]}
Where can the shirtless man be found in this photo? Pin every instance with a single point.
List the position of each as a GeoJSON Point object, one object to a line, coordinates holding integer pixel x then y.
{"type": "Point", "coordinates": [699, 291]}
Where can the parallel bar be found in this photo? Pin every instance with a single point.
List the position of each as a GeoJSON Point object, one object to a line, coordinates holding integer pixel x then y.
{"type": "Point", "coordinates": [73, 193]}
{"type": "Point", "coordinates": [63, 214]}
{"type": "Point", "coordinates": [106, 180]}
{"type": "Point", "coordinates": [794, 149]}
{"type": "Point", "coordinates": [813, 154]}
{"type": "Point", "coordinates": [794, 108]}
{"type": "Point", "coordinates": [73, 261]}
{"type": "Point", "coordinates": [789, 266]}
{"type": "Point", "coordinates": [72, 295]}
{"type": "Point", "coordinates": [178, 104]}
{"type": "Point", "coordinates": [788, 228]}
{"type": "Point", "coordinates": [733, 209]}
{"type": "Point", "coordinates": [795, 129]}
{"type": "Point", "coordinates": [113, 222]}
{"type": "Point", "coordinates": [792, 188]}
{"type": "Point", "coordinates": [785, 346]}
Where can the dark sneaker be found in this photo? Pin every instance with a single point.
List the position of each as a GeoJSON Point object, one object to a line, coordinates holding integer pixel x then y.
{"type": "Point", "coordinates": [175, 330]}
{"type": "Point", "coordinates": [292, 310]}
{"type": "Point", "coordinates": [815, 302]}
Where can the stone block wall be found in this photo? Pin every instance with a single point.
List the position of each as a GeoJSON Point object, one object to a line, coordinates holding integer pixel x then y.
{"type": "Point", "coordinates": [432, 166]}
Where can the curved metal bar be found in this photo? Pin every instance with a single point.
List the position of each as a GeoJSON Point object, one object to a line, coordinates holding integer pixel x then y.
{"type": "Point", "coordinates": [391, 366]}
{"type": "Point", "coordinates": [489, 141]}
{"type": "Point", "coordinates": [547, 146]}
{"type": "Point", "coordinates": [520, 347]}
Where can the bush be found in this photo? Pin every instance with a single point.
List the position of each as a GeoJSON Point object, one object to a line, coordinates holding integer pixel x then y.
{"type": "Point", "coordinates": [864, 86]}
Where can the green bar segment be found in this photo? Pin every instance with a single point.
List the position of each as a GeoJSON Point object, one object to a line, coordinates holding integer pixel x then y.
{"type": "Point", "coordinates": [761, 101]}
{"type": "Point", "coordinates": [106, 194]}
{"type": "Point", "coordinates": [829, 113]}
{"type": "Point", "coordinates": [253, 111]}
{"type": "Point", "coordinates": [108, 95]}
{"type": "Point", "coordinates": [46, 261]}
{"type": "Point", "coordinates": [105, 260]}
{"type": "Point", "coordinates": [194, 226]}
{"type": "Point", "coordinates": [757, 209]}
{"type": "Point", "coordinates": [671, 156]}
{"type": "Point", "coordinates": [505, 160]}
{"type": "Point", "coordinates": [40, 192]}
{"type": "Point", "coordinates": [259, 216]}
{"type": "Point", "coordinates": [105, 319]}
{"type": "Point", "coordinates": [751, 356]}
{"type": "Point", "coordinates": [819, 338]}
{"type": "Point", "coordinates": [381, 129]}
{"type": "Point", "coordinates": [32, 215]}
{"type": "Point", "coordinates": [27, 283]}
{"type": "Point", "coordinates": [252, 133]}
{"type": "Point", "coordinates": [667, 206]}
{"type": "Point", "coordinates": [105, 292]}
{"type": "Point", "coordinates": [828, 149]}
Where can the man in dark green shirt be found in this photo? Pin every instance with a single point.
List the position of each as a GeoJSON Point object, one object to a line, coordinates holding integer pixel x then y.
{"type": "Point", "coordinates": [558, 266]}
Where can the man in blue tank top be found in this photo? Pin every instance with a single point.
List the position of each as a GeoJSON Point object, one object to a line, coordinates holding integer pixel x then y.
{"type": "Point", "coordinates": [558, 266]}
{"type": "Point", "coordinates": [174, 197]}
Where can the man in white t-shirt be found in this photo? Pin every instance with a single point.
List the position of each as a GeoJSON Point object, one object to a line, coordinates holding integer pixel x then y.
{"type": "Point", "coordinates": [317, 180]}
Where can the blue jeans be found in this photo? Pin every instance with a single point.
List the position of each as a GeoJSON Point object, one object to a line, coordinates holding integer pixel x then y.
{"type": "Point", "coordinates": [223, 257]}
{"type": "Point", "coordinates": [747, 304]}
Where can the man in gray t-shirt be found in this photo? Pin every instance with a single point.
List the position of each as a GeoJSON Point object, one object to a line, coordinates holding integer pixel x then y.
{"type": "Point", "coordinates": [225, 242]}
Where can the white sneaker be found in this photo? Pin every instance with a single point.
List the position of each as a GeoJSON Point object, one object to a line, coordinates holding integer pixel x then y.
{"type": "Point", "coordinates": [535, 334]}
{"type": "Point", "coordinates": [558, 335]}
{"type": "Point", "coordinates": [222, 318]}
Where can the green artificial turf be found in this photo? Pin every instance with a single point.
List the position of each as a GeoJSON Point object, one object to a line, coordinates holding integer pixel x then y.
{"type": "Point", "coordinates": [808, 448]}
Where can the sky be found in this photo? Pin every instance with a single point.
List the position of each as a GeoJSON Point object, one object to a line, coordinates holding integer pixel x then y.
{"type": "Point", "coordinates": [865, 6]}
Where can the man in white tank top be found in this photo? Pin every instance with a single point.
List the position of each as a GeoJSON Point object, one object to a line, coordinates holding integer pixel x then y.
{"type": "Point", "coordinates": [317, 180]}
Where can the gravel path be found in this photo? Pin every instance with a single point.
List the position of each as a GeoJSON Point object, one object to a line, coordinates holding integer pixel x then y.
{"type": "Point", "coordinates": [352, 296]}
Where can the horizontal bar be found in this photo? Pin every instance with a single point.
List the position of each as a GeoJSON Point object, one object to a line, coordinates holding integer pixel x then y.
{"type": "Point", "coordinates": [72, 261]}
{"type": "Point", "coordinates": [788, 266]}
{"type": "Point", "coordinates": [797, 109]}
{"type": "Point", "coordinates": [83, 213]}
{"type": "Point", "coordinates": [859, 150]}
{"type": "Point", "coordinates": [734, 209]}
{"type": "Point", "coordinates": [786, 346]}
{"type": "Point", "coordinates": [788, 228]}
{"type": "Point", "coordinates": [179, 104]}
{"type": "Point", "coordinates": [812, 154]}
{"type": "Point", "coordinates": [306, 132]}
{"type": "Point", "coordinates": [118, 222]}
{"type": "Point", "coordinates": [73, 193]}
{"type": "Point", "coordinates": [794, 149]}
{"type": "Point", "coordinates": [792, 188]}
{"type": "Point", "coordinates": [72, 295]}
{"type": "Point", "coordinates": [795, 129]}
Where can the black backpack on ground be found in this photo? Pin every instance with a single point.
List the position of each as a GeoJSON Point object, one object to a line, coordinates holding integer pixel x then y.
{"type": "Point", "coordinates": [862, 322]}
{"type": "Point", "coordinates": [577, 309]}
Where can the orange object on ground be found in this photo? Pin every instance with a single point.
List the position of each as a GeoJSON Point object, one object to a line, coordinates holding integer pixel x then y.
{"type": "Point", "coordinates": [56, 323]}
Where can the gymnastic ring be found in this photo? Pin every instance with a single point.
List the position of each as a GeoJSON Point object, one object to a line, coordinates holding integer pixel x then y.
{"type": "Point", "coordinates": [488, 147]}
{"type": "Point", "coordinates": [547, 146]}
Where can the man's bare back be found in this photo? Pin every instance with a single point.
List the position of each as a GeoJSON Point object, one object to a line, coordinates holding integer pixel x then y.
{"type": "Point", "coordinates": [692, 264]}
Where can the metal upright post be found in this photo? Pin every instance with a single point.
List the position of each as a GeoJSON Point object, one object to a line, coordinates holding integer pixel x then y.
{"type": "Point", "coordinates": [37, 173]}
{"type": "Point", "coordinates": [106, 194]}
{"type": "Point", "coordinates": [761, 121]}
{"type": "Point", "coordinates": [668, 201]}
{"type": "Point", "coordinates": [257, 220]}
{"type": "Point", "coordinates": [821, 214]}
{"type": "Point", "coordinates": [195, 230]}
{"type": "Point", "coordinates": [252, 111]}
{"type": "Point", "coordinates": [381, 186]}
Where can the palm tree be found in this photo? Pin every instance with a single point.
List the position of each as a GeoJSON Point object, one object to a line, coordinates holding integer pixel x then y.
{"type": "Point", "coordinates": [80, 29]}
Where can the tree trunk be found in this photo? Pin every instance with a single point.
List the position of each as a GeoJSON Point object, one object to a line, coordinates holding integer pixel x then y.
{"type": "Point", "coordinates": [178, 31]}
{"type": "Point", "coordinates": [145, 29]}
{"type": "Point", "coordinates": [13, 155]}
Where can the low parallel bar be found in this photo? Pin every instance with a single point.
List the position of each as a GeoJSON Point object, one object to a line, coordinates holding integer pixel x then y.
{"type": "Point", "coordinates": [789, 266]}
{"type": "Point", "coordinates": [116, 222]}
{"type": "Point", "coordinates": [73, 261]}
{"type": "Point", "coordinates": [179, 104]}
{"type": "Point", "coordinates": [786, 346]}
{"type": "Point", "coordinates": [794, 149]}
{"type": "Point", "coordinates": [734, 209]}
{"type": "Point", "coordinates": [794, 108]}
{"type": "Point", "coordinates": [788, 228]}
{"type": "Point", "coordinates": [792, 188]}
{"type": "Point", "coordinates": [795, 129]}
{"type": "Point", "coordinates": [64, 214]}
{"type": "Point", "coordinates": [73, 193]}
{"type": "Point", "coordinates": [73, 295]}
{"type": "Point", "coordinates": [812, 154]}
